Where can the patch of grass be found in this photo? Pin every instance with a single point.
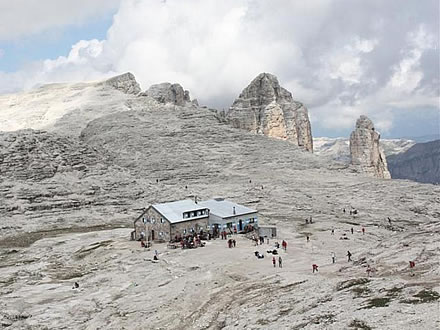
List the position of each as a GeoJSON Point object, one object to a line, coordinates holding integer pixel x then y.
{"type": "Point", "coordinates": [395, 291]}
{"type": "Point", "coordinates": [361, 291]}
{"type": "Point", "coordinates": [263, 321]}
{"type": "Point", "coordinates": [410, 301]}
{"type": "Point", "coordinates": [349, 283]}
{"type": "Point", "coordinates": [324, 318]}
{"type": "Point", "coordinates": [85, 251]}
{"type": "Point", "coordinates": [378, 302]}
{"type": "Point", "coordinates": [424, 296]}
{"type": "Point", "coordinates": [68, 275]}
{"type": "Point", "coordinates": [427, 296]}
{"type": "Point", "coordinates": [27, 239]}
{"type": "Point", "coordinates": [358, 324]}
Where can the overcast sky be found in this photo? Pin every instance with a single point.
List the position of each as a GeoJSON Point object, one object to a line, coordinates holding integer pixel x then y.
{"type": "Point", "coordinates": [342, 58]}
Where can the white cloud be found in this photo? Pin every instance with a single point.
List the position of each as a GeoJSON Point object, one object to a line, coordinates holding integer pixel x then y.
{"type": "Point", "coordinates": [371, 65]}
{"type": "Point", "coordinates": [21, 18]}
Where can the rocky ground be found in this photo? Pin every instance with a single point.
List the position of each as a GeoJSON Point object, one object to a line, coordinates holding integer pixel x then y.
{"type": "Point", "coordinates": [62, 195]}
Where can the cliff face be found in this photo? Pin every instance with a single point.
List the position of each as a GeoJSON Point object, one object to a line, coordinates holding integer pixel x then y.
{"type": "Point", "coordinates": [419, 163]}
{"type": "Point", "coordinates": [264, 107]}
{"type": "Point", "coordinates": [365, 151]}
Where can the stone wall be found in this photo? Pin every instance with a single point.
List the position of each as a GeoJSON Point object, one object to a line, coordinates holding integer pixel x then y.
{"type": "Point", "coordinates": [185, 227]}
{"type": "Point", "coordinates": [154, 224]}
{"type": "Point", "coordinates": [163, 229]}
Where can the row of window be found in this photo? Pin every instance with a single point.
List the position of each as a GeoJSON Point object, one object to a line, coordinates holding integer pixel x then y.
{"type": "Point", "coordinates": [152, 220]}
{"type": "Point", "coordinates": [199, 213]}
{"type": "Point", "coordinates": [196, 213]}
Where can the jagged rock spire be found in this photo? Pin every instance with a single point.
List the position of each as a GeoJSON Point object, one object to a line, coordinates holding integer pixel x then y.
{"type": "Point", "coordinates": [264, 107]}
{"type": "Point", "coordinates": [365, 151]}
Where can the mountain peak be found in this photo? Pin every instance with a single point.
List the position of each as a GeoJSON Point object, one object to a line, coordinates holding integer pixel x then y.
{"type": "Point", "coordinates": [168, 93]}
{"type": "Point", "coordinates": [264, 107]}
{"type": "Point", "coordinates": [125, 82]}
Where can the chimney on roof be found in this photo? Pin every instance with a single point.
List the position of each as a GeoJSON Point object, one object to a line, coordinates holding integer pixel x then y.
{"type": "Point", "coordinates": [233, 210]}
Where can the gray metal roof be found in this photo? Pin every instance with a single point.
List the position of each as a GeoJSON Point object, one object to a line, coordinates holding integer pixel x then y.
{"type": "Point", "coordinates": [225, 209]}
{"type": "Point", "coordinates": [173, 211]}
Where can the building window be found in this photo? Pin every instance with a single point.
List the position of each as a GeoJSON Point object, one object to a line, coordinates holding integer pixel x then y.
{"type": "Point", "coordinates": [162, 220]}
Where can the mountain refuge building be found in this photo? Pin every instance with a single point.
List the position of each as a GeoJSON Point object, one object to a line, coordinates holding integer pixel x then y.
{"type": "Point", "coordinates": [174, 220]}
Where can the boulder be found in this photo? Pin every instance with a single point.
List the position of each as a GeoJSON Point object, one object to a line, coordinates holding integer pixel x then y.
{"type": "Point", "coordinates": [264, 107]}
{"type": "Point", "coordinates": [365, 151]}
{"type": "Point", "coordinates": [168, 93]}
{"type": "Point", "coordinates": [125, 83]}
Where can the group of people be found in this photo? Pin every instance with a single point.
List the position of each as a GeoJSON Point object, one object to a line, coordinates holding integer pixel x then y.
{"type": "Point", "coordinates": [352, 211]}
{"type": "Point", "coordinates": [191, 242]}
{"type": "Point", "coordinates": [280, 261]}
{"type": "Point", "coordinates": [231, 243]}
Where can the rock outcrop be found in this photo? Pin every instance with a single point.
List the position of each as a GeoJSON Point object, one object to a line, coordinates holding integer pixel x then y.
{"type": "Point", "coordinates": [168, 93]}
{"type": "Point", "coordinates": [264, 107]}
{"type": "Point", "coordinates": [420, 163]}
{"type": "Point", "coordinates": [37, 155]}
{"type": "Point", "coordinates": [125, 83]}
{"type": "Point", "coordinates": [365, 151]}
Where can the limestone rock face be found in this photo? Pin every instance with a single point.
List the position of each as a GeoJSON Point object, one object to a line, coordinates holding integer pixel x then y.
{"type": "Point", "coordinates": [37, 155]}
{"type": "Point", "coordinates": [125, 82]}
{"type": "Point", "coordinates": [264, 107]}
{"type": "Point", "coordinates": [365, 150]}
{"type": "Point", "coordinates": [168, 93]}
{"type": "Point", "coordinates": [419, 163]}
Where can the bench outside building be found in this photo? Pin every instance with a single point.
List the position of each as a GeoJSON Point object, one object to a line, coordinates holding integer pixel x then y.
{"type": "Point", "coordinates": [171, 221]}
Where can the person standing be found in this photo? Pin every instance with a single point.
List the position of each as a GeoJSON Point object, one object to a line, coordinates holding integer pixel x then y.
{"type": "Point", "coordinates": [363, 231]}
{"type": "Point", "coordinates": [308, 238]}
{"type": "Point", "coordinates": [280, 262]}
{"type": "Point", "coordinates": [314, 268]}
{"type": "Point", "coordinates": [368, 270]}
{"type": "Point", "coordinates": [234, 242]}
{"type": "Point", "coordinates": [274, 261]}
{"type": "Point", "coordinates": [333, 231]}
{"type": "Point", "coordinates": [333, 257]}
{"type": "Point", "coordinates": [349, 255]}
{"type": "Point", "coordinates": [352, 230]}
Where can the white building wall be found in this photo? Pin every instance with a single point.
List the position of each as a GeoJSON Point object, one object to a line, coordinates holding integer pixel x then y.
{"type": "Point", "coordinates": [223, 222]}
